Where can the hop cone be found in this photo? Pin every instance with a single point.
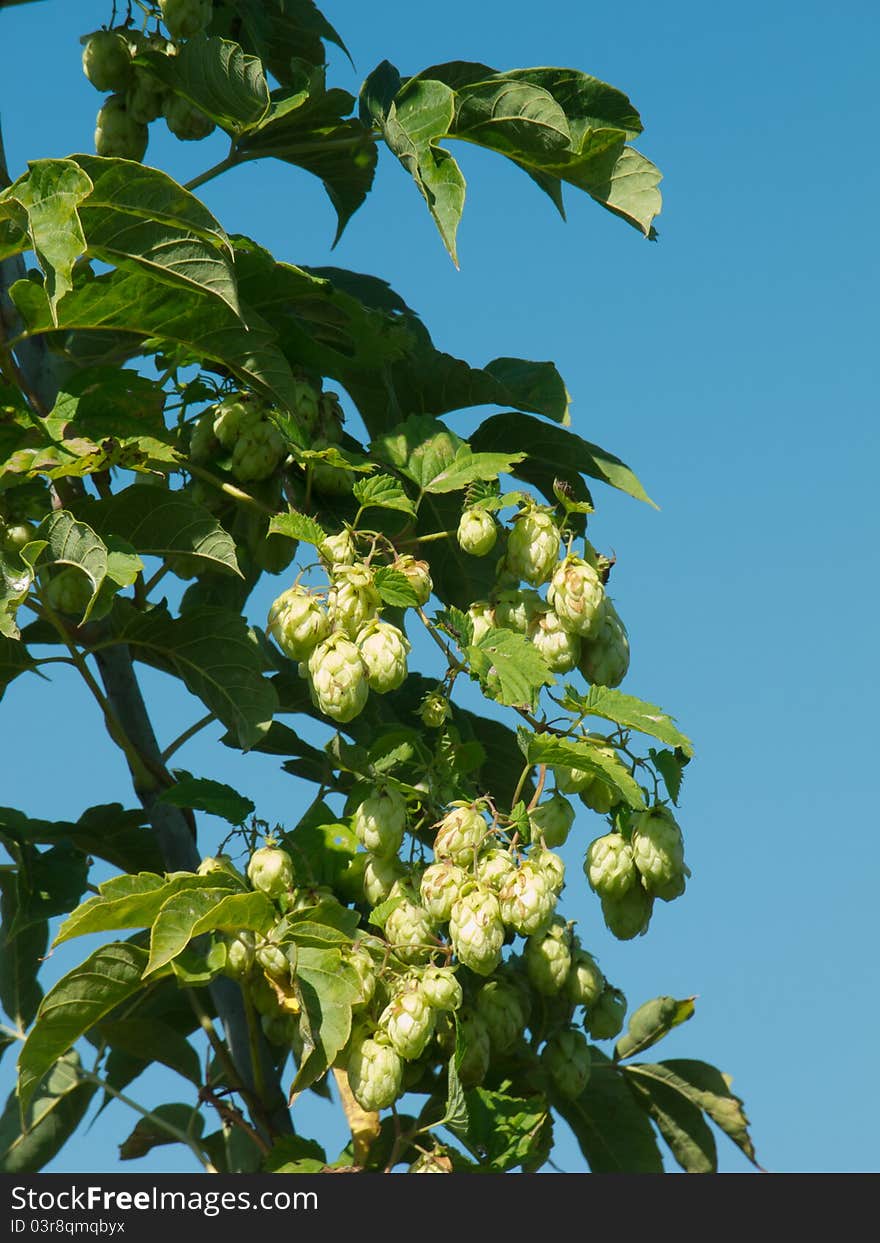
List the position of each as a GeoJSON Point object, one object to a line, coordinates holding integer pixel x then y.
{"type": "Point", "coordinates": [658, 850]}
{"type": "Point", "coordinates": [498, 1005]}
{"type": "Point", "coordinates": [482, 616]}
{"type": "Point", "coordinates": [552, 820]}
{"type": "Point", "coordinates": [337, 678]}
{"type": "Point", "coordinates": [566, 1057]}
{"type": "Point", "coordinates": [383, 650]}
{"type": "Point", "coordinates": [494, 868]}
{"type": "Point", "coordinates": [604, 1019]}
{"type": "Point", "coordinates": [547, 957]}
{"type": "Point", "coordinates": [417, 574]}
{"type": "Point", "coordinates": [441, 887]}
{"type": "Point", "coordinates": [339, 549]}
{"type": "Point", "coordinates": [575, 594]}
{"type": "Point", "coordinates": [527, 901]}
{"type": "Point", "coordinates": [257, 452]}
{"type": "Point", "coordinates": [533, 547]}
{"type": "Point", "coordinates": [271, 870]}
{"type": "Point", "coordinates": [298, 623]}
{"type": "Point", "coordinates": [585, 981]}
{"type": "Point", "coordinates": [380, 821]}
{"type": "Point", "coordinates": [628, 916]}
{"type": "Point", "coordinates": [353, 599]}
{"type": "Point", "coordinates": [476, 1049]}
{"type": "Point", "coordinates": [516, 610]}
{"type": "Point", "coordinates": [408, 1021]}
{"type": "Point", "coordinates": [441, 988]}
{"type": "Point", "coordinates": [380, 877]}
{"type": "Point", "coordinates": [559, 647]}
{"type": "Point", "coordinates": [375, 1075]}
{"type": "Point", "coordinates": [477, 531]}
{"type": "Point", "coordinates": [609, 866]}
{"type": "Point", "coordinates": [551, 867]}
{"type": "Point", "coordinates": [459, 834]}
{"type": "Point", "coordinates": [604, 659]}
{"type": "Point", "coordinates": [409, 929]}
{"type": "Point", "coordinates": [476, 930]}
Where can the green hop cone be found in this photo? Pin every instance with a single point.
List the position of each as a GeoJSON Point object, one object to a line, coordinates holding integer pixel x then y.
{"type": "Point", "coordinates": [517, 609]}
{"type": "Point", "coordinates": [339, 549]}
{"type": "Point", "coordinates": [379, 878]}
{"type": "Point", "coordinates": [498, 1004]}
{"type": "Point", "coordinates": [362, 960]}
{"type": "Point", "coordinates": [16, 536]}
{"type": "Point", "coordinates": [417, 574]}
{"type": "Point", "coordinates": [477, 531]}
{"type": "Point", "coordinates": [380, 821]}
{"type": "Point", "coordinates": [185, 18]}
{"type": "Point", "coordinates": [409, 928]}
{"type": "Point", "coordinates": [441, 988]}
{"type": "Point", "coordinates": [354, 600]}
{"type": "Point", "coordinates": [106, 60]}
{"type": "Point", "coordinates": [566, 1058]}
{"type": "Point", "coordinates": [69, 592]}
{"type": "Point", "coordinates": [609, 866]}
{"type": "Point", "coordinates": [435, 710]}
{"type": "Point", "coordinates": [257, 453]}
{"type": "Point", "coordinates": [213, 864]}
{"type": "Point", "coordinates": [604, 1018]}
{"type": "Point", "coordinates": [273, 960]}
{"type": "Point", "coordinates": [440, 889]}
{"type": "Point", "coordinates": [408, 1022]}
{"type": "Point", "coordinates": [278, 1028]}
{"type": "Point", "coordinates": [240, 948]}
{"type": "Point", "coordinates": [270, 870]}
{"type": "Point", "coordinates": [298, 622]}
{"type": "Point", "coordinates": [571, 780]}
{"type": "Point", "coordinates": [604, 658]}
{"type": "Point", "coordinates": [476, 930]}
{"type": "Point", "coordinates": [476, 1049]}
{"type": "Point", "coordinates": [338, 679]}
{"type": "Point", "coordinates": [459, 834]}
{"type": "Point", "coordinates": [235, 415]}
{"type": "Point", "coordinates": [185, 120]}
{"type": "Point", "coordinates": [203, 444]}
{"type": "Point", "coordinates": [658, 851]}
{"type": "Point", "coordinates": [383, 650]}
{"type": "Point", "coordinates": [560, 648]}
{"type": "Point", "coordinates": [527, 901]}
{"type": "Point", "coordinates": [533, 546]}
{"type": "Point", "coordinates": [146, 95]}
{"type": "Point", "coordinates": [575, 594]}
{"type": "Point", "coordinates": [375, 1074]}
{"type": "Point", "coordinates": [495, 867]}
{"type": "Point", "coordinates": [547, 957]}
{"type": "Point", "coordinates": [628, 916]}
{"type": "Point", "coordinates": [552, 820]}
{"type": "Point", "coordinates": [482, 616]}
{"type": "Point", "coordinates": [551, 867]}
{"type": "Point", "coordinates": [598, 794]}
{"type": "Point", "coordinates": [585, 981]}
{"type": "Point", "coordinates": [117, 133]}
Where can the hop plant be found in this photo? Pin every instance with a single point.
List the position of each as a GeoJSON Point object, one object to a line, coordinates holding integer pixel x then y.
{"type": "Point", "coordinates": [482, 616]}
{"type": "Point", "coordinates": [552, 820]}
{"type": "Point", "coordinates": [270, 870]}
{"type": "Point", "coordinates": [658, 852]}
{"type": "Point", "coordinates": [533, 546]}
{"type": "Point", "coordinates": [106, 60]}
{"type": "Point", "coordinates": [459, 834]}
{"type": "Point", "coordinates": [495, 867]}
{"type": "Point", "coordinates": [604, 1019]}
{"type": "Point", "coordinates": [560, 648]}
{"type": "Point", "coordinates": [527, 901]}
{"type": "Point", "coordinates": [440, 889]}
{"type": "Point", "coordinates": [566, 1058]}
{"type": "Point", "coordinates": [476, 930]}
{"type": "Point", "coordinates": [234, 415]}
{"type": "Point", "coordinates": [257, 453]}
{"type": "Point", "coordinates": [379, 878]}
{"type": "Point", "coordinates": [273, 960]}
{"type": "Point", "coordinates": [604, 658]}
{"type": "Point", "coordinates": [339, 549]}
{"type": "Point", "coordinates": [552, 868]}
{"type": "Point", "coordinates": [353, 600]}
{"type": "Point", "coordinates": [409, 928]}
{"type": "Point", "coordinates": [185, 18]}
{"type": "Point", "coordinates": [383, 650]}
{"type": "Point", "coordinates": [417, 574]}
{"type": "Point", "coordinates": [240, 949]}
{"type": "Point", "coordinates": [547, 957]}
{"type": "Point", "coordinates": [609, 866]}
{"type": "Point", "coordinates": [575, 594]}
{"type": "Point", "coordinates": [598, 794]}
{"type": "Point", "coordinates": [298, 622]}
{"type": "Point", "coordinates": [498, 1004]}
{"type": "Point", "coordinates": [408, 1022]}
{"type": "Point", "coordinates": [628, 916]}
{"type": "Point", "coordinates": [477, 531]}
{"type": "Point", "coordinates": [516, 609]}
{"type": "Point", "coordinates": [361, 959]}
{"type": "Point", "coordinates": [476, 1048]}
{"type": "Point", "coordinates": [337, 678]}
{"type": "Point", "coordinates": [435, 710]}
{"type": "Point", "coordinates": [441, 988]}
{"type": "Point", "coordinates": [185, 120]}
{"type": "Point", "coordinates": [146, 95]}
{"type": "Point", "coordinates": [585, 982]}
{"type": "Point", "coordinates": [375, 1074]}
{"type": "Point", "coordinates": [69, 592]}
{"type": "Point", "coordinates": [380, 821]}
{"type": "Point", "coordinates": [117, 133]}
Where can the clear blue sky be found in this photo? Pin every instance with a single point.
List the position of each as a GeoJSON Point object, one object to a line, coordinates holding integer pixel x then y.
{"type": "Point", "coordinates": [734, 366]}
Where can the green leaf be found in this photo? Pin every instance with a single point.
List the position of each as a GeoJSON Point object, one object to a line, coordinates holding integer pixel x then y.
{"type": "Point", "coordinates": [213, 797]}
{"type": "Point", "coordinates": [299, 527]}
{"type": "Point", "coordinates": [517, 665]}
{"type": "Point", "coordinates": [382, 492]}
{"type": "Point", "coordinates": [14, 659]}
{"type": "Point", "coordinates": [108, 832]}
{"type": "Point", "coordinates": [632, 713]}
{"type": "Point", "coordinates": [137, 1036]}
{"type": "Point", "coordinates": [511, 117]}
{"type": "Point", "coordinates": [670, 765]}
{"type": "Point", "coordinates": [554, 451]}
{"type": "Point", "coordinates": [78, 1001]}
{"type": "Point", "coordinates": [468, 466]}
{"type": "Point", "coordinates": [320, 846]}
{"type": "Point", "coordinates": [134, 902]}
{"type": "Point", "coordinates": [455, 1114]}
{"type": "Point", "coordinates": [509, 1131]}
{"type": "Point", "coordinates": [216, 655]}
{"type": "Point", "coordinates": [21, 954]}
{"type": "Point", "coordinates": [192, 911]}
{"type": "Point", "coordinates": [62, 540]}
{"type": "Point", "coordinates": [281, 32]}
{"type": "Point", "coordinates": [395, 588]}
{"type": "Point", "coordinates": [613, 1133]}
{"type": "Point", "coordinates": [52, 885]}
{"type": "Point", "coordinates": [163, 524]}
{"type": "Point", "coordinates": [679, 1121]}
{"type": "Point", "coordinates": [218, 77]}
{"type": "Point", "coordinates": [294, 1154]}
{"type": "Point", "coordinates": [651, 1022]}
{"type": "Point", "coordinates": [706, 1088]}
{"type": "Point", "coordinates": [328, 988]}
{"type": "Point", "coordinates": [149, 1133]}
{"type": "Point", "coordinates": [57, 1107]}
{"type": "Point", "coordinates": [569, 753]}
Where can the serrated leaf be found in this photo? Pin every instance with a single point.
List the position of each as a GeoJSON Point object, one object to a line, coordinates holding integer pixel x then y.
{"type": "Point", "coordinates": [190, 912]}
{"type": "Point", "coordinates": [299, 527]}
{"type": "Point", "coordinates": [514, 662]}
{"type": "Point", "coordinates": [50, 194]}
{"type": "Point", "coordinates": [218, 77]}
{"type": "Point", "coordinates": [328, 988]}
{"type": "Point", "coordinates": [78, 1001]}
{"type": "Point", "coordinates": [395, 588]}
{"type": "Point", "coordinates": [680, 1123]}
{"type": "Point", "coordinates": [469, 466]}
{"type": "Point", "coordinates": [213, 797]}
{"type": "Point", "coordinates": [133, 902]}
{"type": "Point", "coordinates": [292, 1154]}
{"type": "Point", "coordinates": [56, 1109]}
{"type": "Point", "coordinates": [651, 1022]}
{"type": "Point", "coordinates": [149, 1133]}
{"type": "Point", "coordinates": [52, 884]}
{"type": "Point", "coordinates": [509, 1131]}
{"type": "Point", "coordinates": [21, 955]}
{"type": "Point", "coordinates": [62, 540]}
{"type": "Point", "coordinates": [283, 33]}
{"type": "Point", "coordinates": [569, 753]}
{"type": "Point", "coordinates": [670, 765]}
{"type": "Point", "coordinates": [156, 1038]}
{"type": "Point", "coordinates": [455, 1114]}
{"type": "Point", "coordinates": [613, 1133]}
{"type": "Point", "coordinates": [630, 712]}
{"type": "Point", "coordinates": [382, 492]}
{"type": "Point", "coordinates": [379, 914]}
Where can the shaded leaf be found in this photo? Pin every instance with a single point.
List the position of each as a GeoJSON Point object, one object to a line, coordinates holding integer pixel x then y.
{"type": "Point", "coordinates": [213, 797]}
{"type": "Point", "coordinates": [158, 1041]}
{"type": "Point", "coordinates": [218, 77]}
{"type": "Point", "coordinates": [50, 194]}
{"type": "Point", "coordinates": [52, 885]}
{"type": "Point", "coordinates": [57, 1107]}
{"type": "Point", "coordinates": [613, 1133]}
{"type": "Point", "coordinates": [190, 912]}
{"type": "Point", "coordinates": [680, 1123]}
{"type": "Point", "coordinates": [149, 1133]}
{"type": "Point", "coordinates": [651, 1022]}
{"type": "Point", "coordinates": [20, 958]}
{"type": "Point", "coordinates": [707, 1088]}
{"type": "Point", "coordinates": [328, 988]}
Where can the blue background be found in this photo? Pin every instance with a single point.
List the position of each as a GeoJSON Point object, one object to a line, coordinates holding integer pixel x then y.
{"type": "Point", "coordinates": [733, 365]}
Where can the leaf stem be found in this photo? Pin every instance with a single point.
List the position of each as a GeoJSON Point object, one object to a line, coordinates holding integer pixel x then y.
{"type": "Point", "coordinates": [169, 1127]}
{"type": "Point", "coordinates": [229, 488]}
{"type": "Point", "coordinates": [214, 171]}
{"type": "Point", "coordinates": [186, 735]}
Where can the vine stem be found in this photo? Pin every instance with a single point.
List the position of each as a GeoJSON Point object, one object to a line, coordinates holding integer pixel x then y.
{"type": "Point", "coordinates": [229, 488]}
